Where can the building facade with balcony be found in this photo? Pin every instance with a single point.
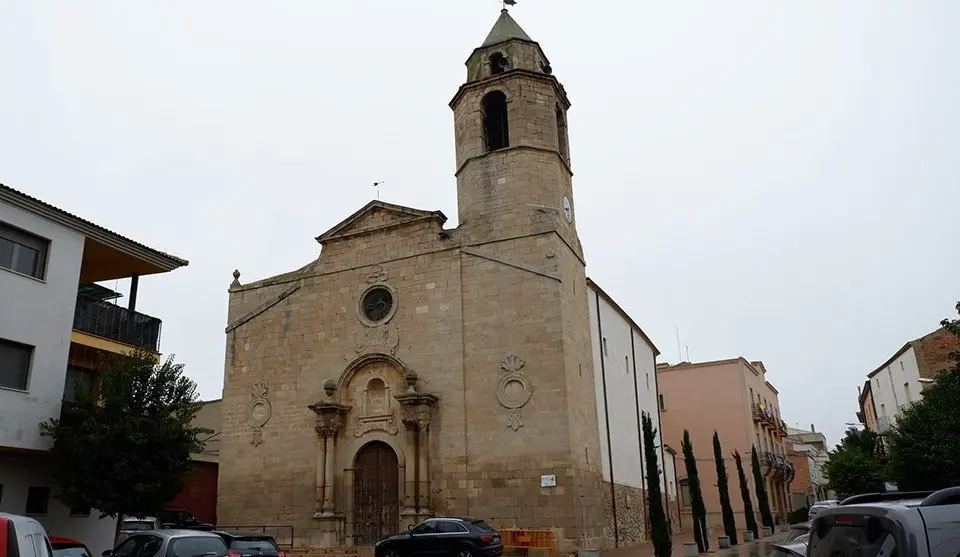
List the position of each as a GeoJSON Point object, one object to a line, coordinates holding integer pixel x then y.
{"type": "Point", "coordinates": [807, 451]}
{"type": "Point", "coordinates": [902, 378]}
{"type": "Point", "coordinates": [55, 323]}
{"type": "Point", "coordinates": [733, 398]}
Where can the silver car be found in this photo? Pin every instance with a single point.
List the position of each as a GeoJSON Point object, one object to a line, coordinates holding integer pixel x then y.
{"type": "Point", "coordinates": [170, 543]}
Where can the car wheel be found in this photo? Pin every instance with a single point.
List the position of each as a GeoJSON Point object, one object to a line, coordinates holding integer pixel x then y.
{"type": "Point", "coordinates": [464, 553]}
{"type": "Point", "coordinates": [391, 552]}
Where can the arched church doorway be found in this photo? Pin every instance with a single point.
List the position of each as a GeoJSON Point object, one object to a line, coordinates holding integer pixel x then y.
{"type": "Point", "coordinates": [376, 493]}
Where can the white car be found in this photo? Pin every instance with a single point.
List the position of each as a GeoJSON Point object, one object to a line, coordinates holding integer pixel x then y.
{"type": "Point", "coordinates": [23, 536]}
{"type": "Point", "coordinates": [819, 506]}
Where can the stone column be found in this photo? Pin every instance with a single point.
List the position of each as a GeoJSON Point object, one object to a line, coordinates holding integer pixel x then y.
{"type": "Point", "coordinates": [328, 474]}
{"type": "Point", "coordinates": [410, 470]}
{"type": "Point", "coordinates": [424, 465]}
{"type": "Point", "coordinates": [321, 463]}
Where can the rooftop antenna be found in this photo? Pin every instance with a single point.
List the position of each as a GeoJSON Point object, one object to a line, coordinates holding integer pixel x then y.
{"type": "Point", "coordinates": [679, 352]}
{"type": "Point", "coordinates": [377, 185]}
{"type": "Point", "coordinates": [688, 352]}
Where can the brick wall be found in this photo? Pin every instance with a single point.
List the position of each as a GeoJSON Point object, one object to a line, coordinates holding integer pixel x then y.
{"type": "Point", "coordinates": [801, 482]}
{"type": "Point", "coordinates": [933, 352]}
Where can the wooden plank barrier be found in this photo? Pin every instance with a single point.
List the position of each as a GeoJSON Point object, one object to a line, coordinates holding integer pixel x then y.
{"type": "Point", "coordinates": [529, 539]}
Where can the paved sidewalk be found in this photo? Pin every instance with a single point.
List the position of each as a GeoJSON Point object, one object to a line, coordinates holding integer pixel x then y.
{"type": "Point", "coordinates": [645, 549]}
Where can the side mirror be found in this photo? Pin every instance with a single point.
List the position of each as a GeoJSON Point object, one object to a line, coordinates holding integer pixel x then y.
{"type": "Point", "coordinates": [409, 528]}
{"type": "Point", "coordinates": [107, 553]}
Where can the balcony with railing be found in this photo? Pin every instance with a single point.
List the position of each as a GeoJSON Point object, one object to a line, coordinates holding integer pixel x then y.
{"type": "Point", "coordinates": [103, 319]}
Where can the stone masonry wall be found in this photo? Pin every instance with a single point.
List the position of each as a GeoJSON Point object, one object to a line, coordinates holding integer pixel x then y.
{"type": "Point", "coordinates": [933, 352]}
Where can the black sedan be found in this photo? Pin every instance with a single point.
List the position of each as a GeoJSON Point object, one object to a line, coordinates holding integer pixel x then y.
{"type": "Point", "coordinates": [448, 536]}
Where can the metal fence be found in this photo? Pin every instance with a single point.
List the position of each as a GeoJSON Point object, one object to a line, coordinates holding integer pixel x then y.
{"type": "Point", "coordinates": [111, 321]}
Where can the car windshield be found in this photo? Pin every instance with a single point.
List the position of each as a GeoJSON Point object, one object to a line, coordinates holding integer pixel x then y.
{"type": "Point", "coordinates": [69, 550]}
{"type": "Point", "coordinates": [851, 539]}
{"type": "Point", "coordinates": [265, 544]}
{"type": "Point", "coordinates": [196, 546]}
{"type": "Point", "coordinates": [136, 525]}
{"type": "Point", "coordinates": [481, 526]}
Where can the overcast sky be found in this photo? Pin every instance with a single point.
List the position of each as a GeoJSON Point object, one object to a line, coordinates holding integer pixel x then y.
{"type": "Point", "coordinates": [777, 180]}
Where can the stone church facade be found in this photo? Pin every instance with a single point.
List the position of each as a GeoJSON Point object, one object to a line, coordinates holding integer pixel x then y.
{"type": "Point", "coordinates": [414, 370]}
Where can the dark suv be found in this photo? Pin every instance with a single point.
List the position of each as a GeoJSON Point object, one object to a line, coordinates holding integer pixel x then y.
{"type": "Point", "coordinates": [908, 524]}
{"type": "Point", "coordinates": [449, 536]}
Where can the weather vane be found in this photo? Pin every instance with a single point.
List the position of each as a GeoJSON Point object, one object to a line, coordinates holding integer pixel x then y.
{"type": "Point", "coordinates": [377, 184]}
{"type": "Point", "coordinates": [508, 3]}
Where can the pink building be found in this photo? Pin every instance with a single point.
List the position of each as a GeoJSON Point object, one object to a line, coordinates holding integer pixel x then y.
{"type": "Point", "coordinates": [733, 398]}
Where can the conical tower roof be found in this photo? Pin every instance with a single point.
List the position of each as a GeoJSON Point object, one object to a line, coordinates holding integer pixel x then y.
{"type": "Point", "coordinates": [504, 29]}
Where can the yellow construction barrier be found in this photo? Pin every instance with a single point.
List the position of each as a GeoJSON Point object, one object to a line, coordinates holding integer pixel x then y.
{"type": "Point", "coordinates": [529, 539]}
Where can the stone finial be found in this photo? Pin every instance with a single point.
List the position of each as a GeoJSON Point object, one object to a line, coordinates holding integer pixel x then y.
{"type": "Point", "coordinates": [411, 377]}
{"type": "Point", "coordinates": [330, 387]}
{"type": "Point", "coordinates": [236, 278]}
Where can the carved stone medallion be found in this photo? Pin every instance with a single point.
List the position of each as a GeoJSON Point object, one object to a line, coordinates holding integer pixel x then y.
{"type": "Point", "coordinates": [259, 412]}
{"type": "Point", "coordinates": [514, 390]}
{"type": "Point", "coordinates": [384, 339]}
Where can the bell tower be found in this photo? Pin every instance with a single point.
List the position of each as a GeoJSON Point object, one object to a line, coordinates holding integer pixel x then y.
{"type": "Point", "coordinates": [513, 157]}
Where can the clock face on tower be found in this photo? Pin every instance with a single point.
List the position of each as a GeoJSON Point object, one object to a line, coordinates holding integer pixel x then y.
{"type": "Point", "coordinates": [567, 210]}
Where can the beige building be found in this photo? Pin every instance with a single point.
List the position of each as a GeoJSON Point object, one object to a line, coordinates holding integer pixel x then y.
{"type": "Point", "coordinates": [413, 370]}
{"type": "Point", "coordinates": [733, 398]}
{"type": "Point", "coordinates": [807, 451]}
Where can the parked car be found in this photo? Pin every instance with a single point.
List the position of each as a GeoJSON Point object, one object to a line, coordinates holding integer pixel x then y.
{"type": "Point", "coordinates": [131, 525]}
{"type": "Point", "coordinates": [454, 536]}
{"type": "Point", "coordinates": [908, 524]}
{"type": "Point", "coordinates": [818, 506]}
{"type": "Point", "coordinates": [182, 520]}
{"type": "Point", "coordinates": [797, 530]}
{"type": "Point", "coordinates": [251, 545]}
{"type": "Point", "coordinates": [67, 547]}
{"type": "Point", "coordinates": [22, 536]}
{"type": "Point", "coordinates": [170, 543]}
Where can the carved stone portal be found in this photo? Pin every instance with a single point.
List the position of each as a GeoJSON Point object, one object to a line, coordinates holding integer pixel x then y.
{"type": "Point", "coordinates": [417, 414]}
{"type": "Point", "coordinates": [330, 418]}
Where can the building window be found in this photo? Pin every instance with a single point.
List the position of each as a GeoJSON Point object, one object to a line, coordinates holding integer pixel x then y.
{"type": "Point", "coordinates": [14, 364]}
{"type": "Point", "coordinates": [498, 63]}
{"type": "Point", "coordinates": [685, 499]}
{"type": "Point", "coordinates": [377, 305]}
{"type": "Point", "coordinates": [23, 252]}
{"type": "Point", "coordinates": [38, 501]}
{"type": "Point", "coordinates": [626, 364]}
{"type": "Point", "coordinates": [663, 403]}
{"type": "Point", "coordinates": [77, 378]}
{"type": "Point", "coordinates": [83, 511]}
{"type": "Point", "coordinates": [648, 380]}
{"type": "Point", "coordinates": [605, 351]}
{"type": "Point", "coordinates": [562, 141]}
{"type": "Point", "coordinates": [496, 132]}
{"type": "Point", "coordinates": [906, 390]}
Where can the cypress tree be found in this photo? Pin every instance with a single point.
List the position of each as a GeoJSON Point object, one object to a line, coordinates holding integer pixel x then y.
{"type": "Point", "coordinates": [696, 496]}
{"type": "Point", "coordinates": [751, 519]}
{"type": "Point", "coordinates": [659, 528]}
{"type": "Point", "coordinates": [729, 522]}
{"type": "Point", "coordinates": [765, 516]}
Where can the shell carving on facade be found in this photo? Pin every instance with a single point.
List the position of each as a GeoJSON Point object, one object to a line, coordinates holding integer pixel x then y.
{"type": "Point", "coordinates": [514, 390]}
{"type": "Point", "coordinates": [259, 412]}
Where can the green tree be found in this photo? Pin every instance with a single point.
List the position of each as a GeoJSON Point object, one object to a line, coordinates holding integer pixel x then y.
{"type": "Point", "coordinates": [765, 515]}
{"type": "Point", "coordinates": [924, 444]}
{"type": "Point", "coordinates": [855, 466]}
{"type": "Point", "coordinates": [749, 517]}
{"type": "Point", "coordinates": [696, 495]}
{"type": "Point", "coordinates": [729, 522]}
{"type": "Point", "coordinates": [125, 450]}
{"type": "Point", "coordinates": [659, 527]}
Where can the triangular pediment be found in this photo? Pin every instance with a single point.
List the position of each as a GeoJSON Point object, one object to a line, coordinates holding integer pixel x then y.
{"type": "Point", "coordinates": [378, 215]}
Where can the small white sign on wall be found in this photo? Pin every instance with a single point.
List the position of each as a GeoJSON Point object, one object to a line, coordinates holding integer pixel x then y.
{"type": "Point", "coordinates": [548, 480]}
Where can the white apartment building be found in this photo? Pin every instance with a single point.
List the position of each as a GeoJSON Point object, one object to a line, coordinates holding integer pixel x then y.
{"type": "Point", "coordinates": [901, 380]}
{"type": "Point", "coordinates": [624, 365]}
{"type": "Point", "coordinates": [54, 322]}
